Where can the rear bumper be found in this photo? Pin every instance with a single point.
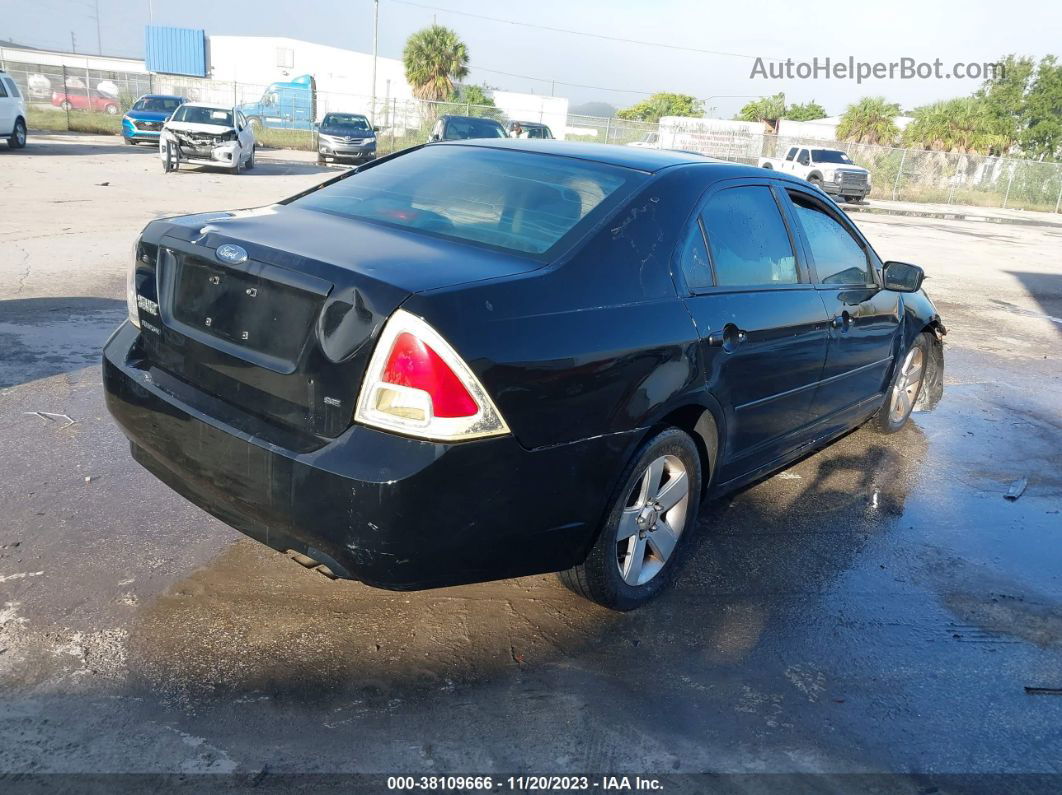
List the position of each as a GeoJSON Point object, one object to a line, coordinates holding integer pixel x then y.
{"type": "Point", "coordinates": [393, 512]}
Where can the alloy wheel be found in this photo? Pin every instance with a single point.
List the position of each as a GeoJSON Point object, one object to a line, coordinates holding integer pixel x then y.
{"type": "Point", "coordinates": [908, 383]}
{"type": "Point", "coordinates": [652, 521]}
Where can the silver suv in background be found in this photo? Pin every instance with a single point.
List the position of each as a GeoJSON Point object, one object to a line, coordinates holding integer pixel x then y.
{"type": "Point", "coordinates": [12, 113]}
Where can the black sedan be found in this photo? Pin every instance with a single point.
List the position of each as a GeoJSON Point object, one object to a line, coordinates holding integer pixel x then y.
{"type": "Point", "coordinates": [485, 359]}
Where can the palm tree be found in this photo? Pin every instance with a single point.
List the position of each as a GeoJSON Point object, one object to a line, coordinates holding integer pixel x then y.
{"type": "Point", "coordinates": [434, 58]}
{"type": "Point", "coordinates": [869, 121]}
{"type": "Point", "coordinates": [965, 125]}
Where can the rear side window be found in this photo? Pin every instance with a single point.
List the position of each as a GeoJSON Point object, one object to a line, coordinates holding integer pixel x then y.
{"type": "Point", "coordinates": [838, 258]}
{"type": "Point", "coordinates": [695, 265]}
{"type": "Point", "coordinates": [748, 239]}
{"type": "Point", "coordinates": [459, 129]}
{"type": "Point", "coordinates": [518, 201]}
{"type": "Point", "coordinates": [3, 88]}
{"type": "Point", "coordinates": [12, 88]}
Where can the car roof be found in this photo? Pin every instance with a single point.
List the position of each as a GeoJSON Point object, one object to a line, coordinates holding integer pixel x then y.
{"type": "Point", "coordinates": [649, 160]}
{"type": "Point", "coordinates": [449, 116]}
{"type": "Point", "coordinates": [213, 105]}
{"type": "Point", "coordinates": [165, 96]}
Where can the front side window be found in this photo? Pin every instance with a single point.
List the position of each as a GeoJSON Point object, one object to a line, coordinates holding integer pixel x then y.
{"type": "Point", "coordinates": [792, 153]}
{"type": "Point", "coordinates": [839, 259]}
{"type": "Point", "coordinates": [803, 157]}
{"type": "Point", "coordinates": [517, 201]}
{"type": "Point", "coordinates": [3, 88]}
{"type": "Point", "coordinates": [748, 239]}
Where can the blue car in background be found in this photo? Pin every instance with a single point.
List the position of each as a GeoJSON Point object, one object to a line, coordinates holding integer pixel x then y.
{"type": "Point", "coordinates": [144, 120]}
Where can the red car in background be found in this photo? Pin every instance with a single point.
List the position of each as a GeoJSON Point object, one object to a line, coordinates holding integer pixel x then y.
{"type": "Point", "coordinates": [80, 100]}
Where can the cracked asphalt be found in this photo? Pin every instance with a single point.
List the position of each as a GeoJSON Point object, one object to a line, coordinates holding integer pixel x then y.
{"type": "Point", "coordinates": [877, 607]}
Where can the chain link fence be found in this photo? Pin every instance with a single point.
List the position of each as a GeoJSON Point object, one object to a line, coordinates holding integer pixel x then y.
{"type": "Point", "coordinates": [64, 98]}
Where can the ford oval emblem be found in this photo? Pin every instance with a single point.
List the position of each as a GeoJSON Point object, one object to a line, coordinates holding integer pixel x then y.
{"type": "Point", "coordinates": [231, 254]}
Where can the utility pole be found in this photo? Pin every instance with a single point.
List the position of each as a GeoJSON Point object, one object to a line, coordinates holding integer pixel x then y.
{"type": "Point", "coordinates": [99, 39]}
{"type": "Point", "coordinates": [73, 42]}
{"type": "Point", "coordinates": [375, 53]}
{"type": "Point", "coordinates": [151, 13]}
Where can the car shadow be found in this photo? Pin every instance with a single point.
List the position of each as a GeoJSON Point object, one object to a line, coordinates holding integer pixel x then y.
{"type": "Point", "coordinates": [42, 337]}
{"type": "Point", "coordinates": [1046, 290]}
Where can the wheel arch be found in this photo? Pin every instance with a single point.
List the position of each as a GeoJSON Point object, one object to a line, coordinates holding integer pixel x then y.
{"type": "Point", "coordinates": [702, 420]}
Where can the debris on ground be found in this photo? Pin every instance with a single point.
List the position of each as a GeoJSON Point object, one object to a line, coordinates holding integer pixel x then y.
{"type": "Point", "coordinates": [1016, 489]}
{"type": "Point", "coordinates": [789, 476]}
{"type": "Point", "coordinates": [53, 417]}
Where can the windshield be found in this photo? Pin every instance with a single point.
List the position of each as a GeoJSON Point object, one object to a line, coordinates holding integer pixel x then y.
{"type": "Point", "coordinates": [346, 120]}
{"type": "Point", "coordinates": [517, 201]}
{"type": "Point", "coordinates": [459, 129]}
{"type": "Point", "coordinates": [159, 104]}
{"type": "Point", "coordinates": [195, 114]}
{"type": "Point", "coordinates": [829, 156]}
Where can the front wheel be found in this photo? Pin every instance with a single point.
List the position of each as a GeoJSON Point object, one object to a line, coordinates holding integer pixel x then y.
{"type": "Point", "coordinates": [816, 181]}
{"type": "Point", "coordinates": [653, 511]}
{"type": "Point", "coordinates": [906, 387]}
{"type": "Point", "coordinates": [250, 159]}
{"type": "Point", "coordinates": [111, 110]}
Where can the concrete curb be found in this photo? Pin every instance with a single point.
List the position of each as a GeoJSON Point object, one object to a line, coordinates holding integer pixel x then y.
{"type": "Point", "coordinates": [957, 215]}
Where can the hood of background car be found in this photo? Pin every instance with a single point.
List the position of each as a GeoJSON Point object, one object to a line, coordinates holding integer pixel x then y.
{"type": "Point", "coordinates": [148, 115]}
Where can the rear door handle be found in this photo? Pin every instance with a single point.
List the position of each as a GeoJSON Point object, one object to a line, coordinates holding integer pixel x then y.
{"type": "Point", "coordinates": [842, 321]}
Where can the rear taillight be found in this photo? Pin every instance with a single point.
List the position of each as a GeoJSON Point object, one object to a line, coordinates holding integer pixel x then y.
{"type": "Point", "coordinates": [416, 384]}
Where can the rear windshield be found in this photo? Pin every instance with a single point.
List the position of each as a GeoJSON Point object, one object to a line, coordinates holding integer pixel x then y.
{"type": "Point", "coordinates": [160, 104]}
{"type": "Point", "coordinates": [195, 114]}
{"type": "Point", "coordinates": [517, 201]}
{"type": "Point", "coordinates": [459, 129]}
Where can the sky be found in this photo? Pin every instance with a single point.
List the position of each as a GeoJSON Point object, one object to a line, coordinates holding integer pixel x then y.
{"type": "Point", "coordinates": [721, 40]}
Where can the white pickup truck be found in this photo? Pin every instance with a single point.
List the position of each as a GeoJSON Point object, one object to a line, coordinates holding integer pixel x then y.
{"type": "Point", "coordinates": [829, 169]}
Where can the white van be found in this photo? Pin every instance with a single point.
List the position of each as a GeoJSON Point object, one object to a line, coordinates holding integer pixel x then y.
{"type": "Point", "coordinates": [12, 113]}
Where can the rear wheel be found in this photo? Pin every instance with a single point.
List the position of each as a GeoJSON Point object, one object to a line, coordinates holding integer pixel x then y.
{"type": "Point", "coordinates": [65, 105]}
{"type": "Point", "coordinates": [906, 387]}
{"type": "Point", "coordinates": [111, 110]}
{"type": "Point", "coordinates": [17, 140]}
{"type": "Point", "coordinates": [651, 515]}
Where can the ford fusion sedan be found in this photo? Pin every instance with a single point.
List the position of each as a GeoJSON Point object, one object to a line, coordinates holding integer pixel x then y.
{"type": "Point", "coordinates": [145, 119]}
{"type": "Point", "coordinates": [200, 134]}
{"type": "Point", "coordinates": [346, 136]}
{"type": "Point", "coordinates": [486, 359]}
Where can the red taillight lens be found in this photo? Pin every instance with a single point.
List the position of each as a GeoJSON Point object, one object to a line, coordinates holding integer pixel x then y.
{"type": "Point", "coordinates": [414, 364]}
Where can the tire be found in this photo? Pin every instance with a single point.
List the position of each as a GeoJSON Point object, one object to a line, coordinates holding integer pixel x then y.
{"type": "Point", "coordinates": [130, 141]}
{"type": "Point", "coordinates": [235, 168]}
{"type": "Point", "coordinates": [17, 139]}
{"type": "Point", "coordinates": [65, 105]}
{"type": "Point", "coordinates": [250, 158]}
{"type": "Point", "coordinates": [321, 159]}
{"type": "Point", "coordinates": [110, 110]}
{"type": "Point", "coordinates": [625, 573]}
{"type": "Point", "coordinates": [171, 161]}
{"type": "Point", "coordinates": [816, 181]}
{"type": "Point", "coordinates": [906, 386]}
{"type": "Point", "coordinates": [768, 166]}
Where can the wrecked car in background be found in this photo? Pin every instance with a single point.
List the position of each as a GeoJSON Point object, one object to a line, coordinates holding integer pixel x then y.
{"type": "Point", "coordinates": [200, 134]}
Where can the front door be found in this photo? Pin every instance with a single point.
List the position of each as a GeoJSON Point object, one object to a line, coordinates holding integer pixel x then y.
{"type": "Point", "coordinates": [762, 326]}
{"type": "Point", "coordinates": [864, 318]}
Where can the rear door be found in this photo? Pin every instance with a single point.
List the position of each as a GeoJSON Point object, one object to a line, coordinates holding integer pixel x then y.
{"type": "Point", "coordinates": [864, 318]}
{"type": "Point", "coordinates": [761, 324]}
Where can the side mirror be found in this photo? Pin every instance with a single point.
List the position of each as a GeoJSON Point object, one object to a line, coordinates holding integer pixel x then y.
{"type": "Point", "coordinates": [903, 277]}
{"type": "Point", "coordinates": [376, 128]}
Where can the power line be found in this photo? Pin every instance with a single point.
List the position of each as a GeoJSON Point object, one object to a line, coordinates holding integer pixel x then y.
{"type": "Point", "coordinates": [581, 32]}
{"type": "Point", "coordinates": [561, 82]}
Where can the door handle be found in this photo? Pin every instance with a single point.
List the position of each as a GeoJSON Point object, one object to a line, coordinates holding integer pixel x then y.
{"type": "Point", "coordinates": [842, 321]}
{"type": "Point", "coordinates": [728, 337]}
